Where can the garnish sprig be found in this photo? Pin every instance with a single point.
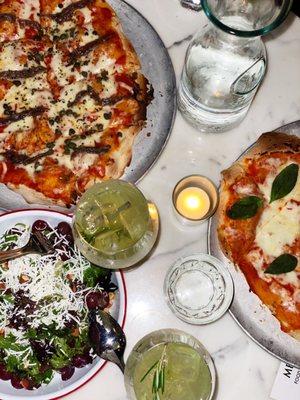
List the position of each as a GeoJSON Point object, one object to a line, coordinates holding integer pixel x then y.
{"type": "Point", "coordinates": [159, 367]}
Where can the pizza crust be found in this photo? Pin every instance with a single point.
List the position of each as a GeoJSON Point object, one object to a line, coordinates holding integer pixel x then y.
{"type": "Point", "coordinates": [34, 197]}
{"type": "Point", "coordinates": [271, 142]}
{"type": "Point", "coordinates": [229, 176]}
{"type": "Point", "coordinates": [295, 335]}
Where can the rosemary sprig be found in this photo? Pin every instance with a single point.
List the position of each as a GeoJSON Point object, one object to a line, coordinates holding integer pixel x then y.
{"type": "Point", "coordinates": [159, 367]}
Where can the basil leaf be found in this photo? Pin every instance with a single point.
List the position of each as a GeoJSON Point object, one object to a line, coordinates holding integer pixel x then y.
{"type": "Point", "coordinates": [284, 182]}
{"type": "Point", "coordinates": [282, 264]}
{"type": "Point", "coordinates": [245, 208]}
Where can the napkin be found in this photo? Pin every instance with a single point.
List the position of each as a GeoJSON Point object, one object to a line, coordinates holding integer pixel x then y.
{"type": "Point", "coordinates": [287, 383]}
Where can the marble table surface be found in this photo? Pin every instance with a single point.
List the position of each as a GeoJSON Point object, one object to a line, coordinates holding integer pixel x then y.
{"type": "Point", "coordinates": [245, 371]}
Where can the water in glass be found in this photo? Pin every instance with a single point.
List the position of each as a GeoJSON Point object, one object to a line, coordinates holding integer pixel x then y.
{"type": "Point", "coordinates": [226, 61]}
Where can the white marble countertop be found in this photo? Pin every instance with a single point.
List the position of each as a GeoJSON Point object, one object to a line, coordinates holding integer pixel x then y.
{"type": "Point", "coordinates": [245, 371]}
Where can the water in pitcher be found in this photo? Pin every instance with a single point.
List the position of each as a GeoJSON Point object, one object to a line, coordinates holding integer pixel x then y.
{"type": "Point", "coordinates": [220, 76]}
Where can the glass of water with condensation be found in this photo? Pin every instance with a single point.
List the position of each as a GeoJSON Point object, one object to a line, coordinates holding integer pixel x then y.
{"type": "Point", "coordinates": [226, 61]}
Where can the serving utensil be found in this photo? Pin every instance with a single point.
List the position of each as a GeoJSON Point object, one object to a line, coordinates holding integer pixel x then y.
{"type": "Point", "coordinates": [192, 4]}
{"type": "Point", "coordinates": [37, 244]}
{"type": "Point", "coordinates": [107, 337]}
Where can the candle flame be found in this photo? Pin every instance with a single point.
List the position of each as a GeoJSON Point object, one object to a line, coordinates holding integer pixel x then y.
{"type": "Point", "coordinates": [193, 202]}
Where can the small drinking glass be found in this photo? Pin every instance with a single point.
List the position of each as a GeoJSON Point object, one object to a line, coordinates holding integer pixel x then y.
{"type": "Point", "coordinates": [226, 61]}
{"type": "Point", "coordinates": [114, 225]}
{"type": "Point", "coordinates": [189, 372]}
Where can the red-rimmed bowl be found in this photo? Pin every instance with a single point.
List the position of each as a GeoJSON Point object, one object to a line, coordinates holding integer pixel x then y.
{"type": "Point", "coordinates": [58, 388]}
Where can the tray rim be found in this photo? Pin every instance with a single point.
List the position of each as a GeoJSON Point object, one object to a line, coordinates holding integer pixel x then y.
{"type": "Point", "coordinates": [174, 92]}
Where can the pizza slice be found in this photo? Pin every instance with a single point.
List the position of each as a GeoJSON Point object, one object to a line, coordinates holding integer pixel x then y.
{"type": "Point", "coordinates": [20, 20]}
{"type": "Point", "coordinates": [24, 90]}
{"type": "Point", "coordinates": [87, 41]}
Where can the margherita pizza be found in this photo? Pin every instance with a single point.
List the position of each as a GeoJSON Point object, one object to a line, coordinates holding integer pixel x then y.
{"type": "Point", "coordinates": [72, 97]}
{"type": "Point", "coordinates": [259, 223]}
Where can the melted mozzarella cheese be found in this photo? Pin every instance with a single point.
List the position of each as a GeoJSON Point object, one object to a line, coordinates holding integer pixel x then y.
{"type": "Point", "coordinates": [95, 66]}
{"type": "Point", "coordinates": [66, 3]}
{"type": "Point", "coordinates": [87, 116]}
{"type": "Point", "coordinates": [29, 169]}
{"type": "Point", "coordinates": [83, 161]}
{"type": "Point", "coordinates": [63, 27]}
{"type": "Point", "coordinates": [24, 124]}
{"type": "Point", "coordinates": [30, 8]}
{"type": "Point", "coordinates": [62, 72]}
{"type": "Point", "coordinates": [31, 93]}
{"type": "Point", "coordinates": [14, 56]}
{"type": "Point", "coordinates": [287, 301]}
{"type": "Point", "coordinates": [8, 57]}
{"type": "Point", "coordinates": [86, 12]}
{"type": "Point", "coordinates": [280, 222]}
{"type": "Point", "coordinates": [278, 228]}
{"type": "Point", "coordinates": [88, 36]}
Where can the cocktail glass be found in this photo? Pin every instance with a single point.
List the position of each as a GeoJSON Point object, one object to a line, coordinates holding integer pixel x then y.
{"type": "Point", "coordinates": [114, 225]}
{"type": "Point", "coordinates": [189, 370]}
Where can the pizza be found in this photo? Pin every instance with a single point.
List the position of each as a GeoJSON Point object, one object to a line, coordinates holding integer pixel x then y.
{"type": "Point", "coordinates": [72, 97]}
{"type": "Point", "coordinates": [259, 223]}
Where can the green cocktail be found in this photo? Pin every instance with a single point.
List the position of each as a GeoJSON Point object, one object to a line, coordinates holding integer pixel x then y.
{"type": "Point", "coordinates": [114, 225]}
{"type": "Point", "coordinates": [169, 365]}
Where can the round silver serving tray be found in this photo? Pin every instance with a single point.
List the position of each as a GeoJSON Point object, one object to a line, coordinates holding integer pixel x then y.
{"type": "Point", "coordinates": [247, 309]}
{"type": "Point", "coordinates": [158, 68]}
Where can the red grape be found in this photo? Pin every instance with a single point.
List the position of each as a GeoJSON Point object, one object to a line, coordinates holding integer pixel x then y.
{"type": "Point", "coordinates": [4, 374]}
{"type": "Point", "coordinates": [16, 382]}
{"type": "Point", "coordinates": [39, 225]}
{"type": "Point", "coordinates": [104, 302]}
{"type": "Point", "coordinates": [63, 228]}
{"type": "Point", "coordinates": [67, 372]}
{"type": "Point", "coordinates": [97, 299]}
{"type": "Point", "coordinates": [81, 360]}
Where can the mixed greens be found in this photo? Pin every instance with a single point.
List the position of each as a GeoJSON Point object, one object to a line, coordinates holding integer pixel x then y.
{"type": "Point", "coordinates": [44, 304]}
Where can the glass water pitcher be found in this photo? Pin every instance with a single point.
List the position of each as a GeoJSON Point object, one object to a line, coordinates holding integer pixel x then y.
{"type": "Point", "coordinates": [226, 61]}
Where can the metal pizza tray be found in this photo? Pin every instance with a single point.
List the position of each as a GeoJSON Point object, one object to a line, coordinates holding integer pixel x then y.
{"type": "Point", "coordinates": [157, 67]}
{"type": "Point", "coordinates": [247, 309]}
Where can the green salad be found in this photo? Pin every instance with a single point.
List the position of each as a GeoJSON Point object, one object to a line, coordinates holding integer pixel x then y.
{"type": "Point", "coordinates": [44, 305]}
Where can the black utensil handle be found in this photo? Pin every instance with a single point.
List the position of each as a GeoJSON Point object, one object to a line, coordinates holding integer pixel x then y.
{"type": "Point", "coordinates": [11, 254]}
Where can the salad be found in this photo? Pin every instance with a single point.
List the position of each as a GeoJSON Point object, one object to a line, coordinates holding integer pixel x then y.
{"type": "Point", "coordinates": [44, 305]}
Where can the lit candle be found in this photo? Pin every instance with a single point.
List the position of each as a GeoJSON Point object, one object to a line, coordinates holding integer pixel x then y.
{"type": "Point", "coordinates": [193, 203]}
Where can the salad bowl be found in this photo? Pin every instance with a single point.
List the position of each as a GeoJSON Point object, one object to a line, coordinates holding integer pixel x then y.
{"type": "Point", "coordinates": [57, 388]}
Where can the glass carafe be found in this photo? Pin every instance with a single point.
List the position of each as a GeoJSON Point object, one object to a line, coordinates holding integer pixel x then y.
{"type": "Point", "coordinates": [226, 61]}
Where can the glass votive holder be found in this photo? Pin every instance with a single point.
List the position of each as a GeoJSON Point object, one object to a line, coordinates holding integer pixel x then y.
{"type": "Point", "coordinates": [195, 199]}
{"type": "Point", "coordinates": [198, 289]}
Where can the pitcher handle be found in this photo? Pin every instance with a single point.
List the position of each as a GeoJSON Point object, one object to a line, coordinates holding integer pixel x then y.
{"type": "Point", "coordinates": [234, 88]}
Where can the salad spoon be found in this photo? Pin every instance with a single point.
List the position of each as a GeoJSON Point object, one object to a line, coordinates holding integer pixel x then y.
{"type": "Point", "coordinates": [107, 337]}
{"type": "Point", "coordinates": [37, 244]}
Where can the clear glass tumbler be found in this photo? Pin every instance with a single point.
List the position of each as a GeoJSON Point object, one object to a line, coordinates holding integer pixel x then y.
{"type": "Point", "coordinates": [189, 370]}
{"type": "Point", "coordinates": [226, 61]}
